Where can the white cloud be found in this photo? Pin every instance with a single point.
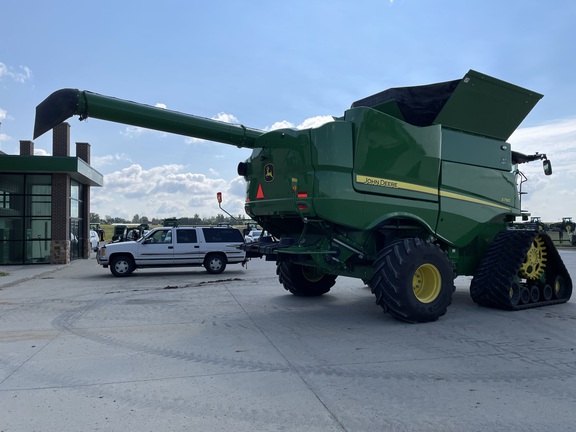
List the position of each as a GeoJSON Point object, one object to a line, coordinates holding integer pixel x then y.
{"type": "Point", "coordinates": [164, 191]}
{"type": "Point", "coordinates": [550, 197]}
{"type": "Point", "coordinates": [132, 131]}
{"type": "Point", "coordinates": [226, 118]}
{"type": "Point", "coordinates": [40, 152]}
{"type": "Point", "coordinates": [102, 161]}
{"type": "Point", "coordinates": [21, 74]}
{"type": "Point", "coordinates": [3, 116]}
{"type": "Point", "coordinates": [314, 122]}
{"type": "Point", "coordinates": [192, 140]}
{"type": "Point", "coordinates": [284, 124]}
{"type": "Point", "coordinates": [223, 117]}
{"type": "Point", "coordinates": [311, 122]}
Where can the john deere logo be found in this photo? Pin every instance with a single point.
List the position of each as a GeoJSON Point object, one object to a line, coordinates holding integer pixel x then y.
{"type": "Point", "coordinates": [269, 173]}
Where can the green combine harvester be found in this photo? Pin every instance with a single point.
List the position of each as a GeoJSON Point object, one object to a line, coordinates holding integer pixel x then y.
{"type": "Point", "coordinates": [410, 188]}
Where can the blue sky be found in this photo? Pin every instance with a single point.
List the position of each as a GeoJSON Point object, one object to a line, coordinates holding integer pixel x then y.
{"type": "Point", "coordinates": [265, 63]}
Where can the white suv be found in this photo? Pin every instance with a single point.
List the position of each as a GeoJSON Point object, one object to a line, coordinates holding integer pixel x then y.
{"type": "Point", "coordinates": [212, 248]}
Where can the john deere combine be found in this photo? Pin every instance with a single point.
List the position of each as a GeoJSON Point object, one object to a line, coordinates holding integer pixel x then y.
{"type": "Point", "coordinates": [408, 189]}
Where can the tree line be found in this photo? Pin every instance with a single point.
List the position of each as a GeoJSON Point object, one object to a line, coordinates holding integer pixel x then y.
{"type": "Point", "coordinates": [195, 220]}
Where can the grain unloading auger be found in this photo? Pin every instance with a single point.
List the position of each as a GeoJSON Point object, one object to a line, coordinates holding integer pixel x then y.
{"type": "Point", "coordinates": [408, 189]}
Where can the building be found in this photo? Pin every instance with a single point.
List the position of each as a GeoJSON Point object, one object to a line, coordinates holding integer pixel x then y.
{"type": "Point", "coordinates": [45, 202]}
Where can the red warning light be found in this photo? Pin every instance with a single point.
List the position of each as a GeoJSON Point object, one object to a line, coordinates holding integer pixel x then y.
{"type": "Point", "coordinates": [219, 197]}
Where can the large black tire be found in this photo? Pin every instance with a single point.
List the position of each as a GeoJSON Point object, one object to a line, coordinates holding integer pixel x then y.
{"type": "Point", "coordinates": [304, 281]}
{"type": "Point", "coordinates": [215, 263]}
{"type": "Point", "coordinates": [122, 265]}
{"type": "Point", "coordinates": [413, 280]}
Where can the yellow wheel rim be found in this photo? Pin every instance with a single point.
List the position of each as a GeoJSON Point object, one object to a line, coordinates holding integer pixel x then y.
{"type": "Point", "coordinates": [312, 274]}
{"type": "Point", "coordinates": [535, 261]}
{"type": "Point", "coordinates": [557, 287]}
{"type": "Point", "coordinates": [427, 283]}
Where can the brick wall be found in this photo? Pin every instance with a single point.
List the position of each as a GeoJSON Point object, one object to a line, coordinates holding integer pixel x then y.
{"type": "Point", "coordinates": [61, 140]}
{"type": "Point", "coordinates": [83, 151]}
{"type": "Point", "coordinates": [60, 249]}
{"type": "Point", "coordinates": [26, 148]}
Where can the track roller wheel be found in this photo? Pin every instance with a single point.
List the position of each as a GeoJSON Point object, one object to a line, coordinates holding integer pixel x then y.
{"type": "Point", "coordinates": [559, 287]}
{"type": "Point", "coordinates": [547, 292]}
{"type": "Point", "coordinates": [534, 293]}
{"type": "Point", "coordinates": [524, 295]}
{"type": "Point", "coordinates": [514, 293]}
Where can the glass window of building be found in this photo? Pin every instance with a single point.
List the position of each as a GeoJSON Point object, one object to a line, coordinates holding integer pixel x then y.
{"type": "Point", "coordinates": [25, 218]}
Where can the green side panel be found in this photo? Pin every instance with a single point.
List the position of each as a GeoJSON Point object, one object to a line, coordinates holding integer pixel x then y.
{"type": "Point", "coordinates": [332, 146]}
{"type": "Point", "coordinates": [393, 158]}
{"type": "Point", "coordinates": [335, 198]}
{"type": "Point", "coordinates": [487, 106]}
{"type": "Point", "coordinates": [332, 156]}
{"type": "Point", "coordinates": [476, 150]}
{"type": "Point", "coordinates": [472, 197]}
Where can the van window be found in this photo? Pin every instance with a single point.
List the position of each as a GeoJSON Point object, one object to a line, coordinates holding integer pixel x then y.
{"type": "Point", "coordinates": [222, 235]}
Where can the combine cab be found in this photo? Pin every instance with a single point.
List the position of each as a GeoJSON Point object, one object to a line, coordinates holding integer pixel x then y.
{"type": "Point", "coordinates": [408, 189]}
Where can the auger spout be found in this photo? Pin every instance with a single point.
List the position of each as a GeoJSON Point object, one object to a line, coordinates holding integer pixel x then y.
{"type": "Point", "coordinates": [65, 103]}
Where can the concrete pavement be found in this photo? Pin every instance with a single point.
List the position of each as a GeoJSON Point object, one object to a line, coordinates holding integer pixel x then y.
{"type": "Point", "coordinates": [13, 275]}
{"type": "Point", "coordinates": [183, 350]}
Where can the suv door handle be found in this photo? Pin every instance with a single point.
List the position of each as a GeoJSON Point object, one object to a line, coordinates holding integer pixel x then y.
{"type": "Point", "coordinates": [170, 247]}
{"type": "Point", "coordinates": [196, 247]}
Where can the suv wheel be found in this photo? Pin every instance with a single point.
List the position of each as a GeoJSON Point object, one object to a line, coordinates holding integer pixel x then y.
{"type": "Point", "coordinates": [215, 263]}
{"type": "Point", "coordinates": [122, 265]}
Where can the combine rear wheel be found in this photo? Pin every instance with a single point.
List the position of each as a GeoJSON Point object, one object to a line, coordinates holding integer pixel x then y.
{"type": "Point", "coordinates": [304, 281]}
{"type": "Point", "coordinates": [413, 280]}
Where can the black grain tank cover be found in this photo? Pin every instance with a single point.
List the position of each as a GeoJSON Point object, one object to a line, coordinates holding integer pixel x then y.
{"type": "Point", "coordinates": [477, 103]}
{"type": "Point", "coordinates": [419, 105]}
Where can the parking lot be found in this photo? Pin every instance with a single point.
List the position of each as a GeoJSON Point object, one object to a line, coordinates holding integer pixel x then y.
{"type": "Point", "coordinates": [183, 350]}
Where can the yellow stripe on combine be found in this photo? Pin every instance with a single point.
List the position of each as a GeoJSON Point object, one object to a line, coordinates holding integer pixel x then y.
{"type": "Point", "coordinates": [394, 184]}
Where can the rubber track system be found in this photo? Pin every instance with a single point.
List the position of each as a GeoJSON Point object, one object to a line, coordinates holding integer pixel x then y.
{"type": "Point", "coordinates": [496, 282]}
